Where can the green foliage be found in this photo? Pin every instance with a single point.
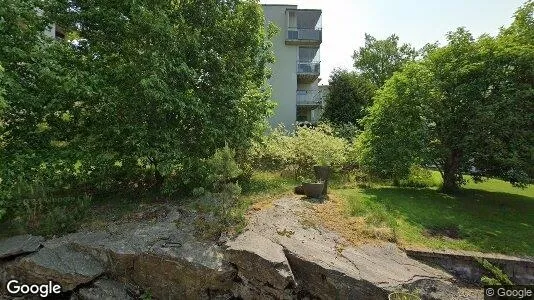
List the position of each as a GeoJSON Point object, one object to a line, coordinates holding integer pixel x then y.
{"type": "Point", "coordinates": [500, 278]}
{"type": "Point", "coordinates": [522, 29]}
{"type": "Point", "coordinates": [146, 295]}
{"type": "Point", "coordinates": [265, 184]}
{"type": "Point", "coordinates": [221, 205]}
{"type": "Point", "coordinates": [396, 136]}
{"type": "Point", "coordinates": [348, 131]}
{"type": "Point", "coordinates": [303, 149]}
{"type": "Point", "coordinates": [379, 59]}
{"type": "Point", "coordinates": [145, 93]}
{"type": "Point", "coordinates": [40, 211]}
{"type": "Point", "coordinates": [222, 168]}
{"type": "Point", "coordinates": [349, 96]}
{"type": "Point", "coordinates": [420, 178]}
{"type": "Point", "coordinates": [50, 215]}
{"type": "Point", "coordinates": [2, 91]}
{"type": "Point", "coordinates": [467, 106]}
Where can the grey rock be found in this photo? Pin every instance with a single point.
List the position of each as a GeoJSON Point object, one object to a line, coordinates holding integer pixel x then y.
{"type": "Point", "coordinates": [325, 266]}
{"type": "Point", "coordinates": [387, 266]}
{"type": "Point", "coordinates": [104, 289]}
{"type": "Point", "coordinates": [19, 244]}
{"type": "Point", "coordinates": [261, 264]}
{"type": "Point", "coordinates": [278, 257]}
{"type": "Point", "coordinates": [63, 265]}
{"type": "Point", "coordinates": [169, 261]}
{"type": "Point", "coordinates": [330, 279]}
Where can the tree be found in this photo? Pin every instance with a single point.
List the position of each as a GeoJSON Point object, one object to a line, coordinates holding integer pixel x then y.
{"type": "Point", "coordinates": [38, 88]}
{"type": "Point", "coordinates": [146, 90]}
{"type": "Point", "coordinates": [348, 98]}
{"type": "Point", "coordinates": [379, 59]}
{"type": "Point", "coordinates": [2, 90]}
{"type": "Point", "coordinates": [522, 29]}
{"type": "Point", "coordinates": [468, 107]}
{"type": "Point", "coordinates": [395, 135]}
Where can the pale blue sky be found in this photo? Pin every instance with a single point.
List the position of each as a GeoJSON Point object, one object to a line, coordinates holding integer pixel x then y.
{"type": "Point", "coordinates": [415, 21]}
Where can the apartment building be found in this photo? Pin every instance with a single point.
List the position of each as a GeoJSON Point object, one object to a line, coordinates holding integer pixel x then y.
{"type": "Point", "coordinates": [295, 73]}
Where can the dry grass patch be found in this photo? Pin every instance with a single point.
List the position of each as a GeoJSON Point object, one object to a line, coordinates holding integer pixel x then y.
{"type": "Point", "coordinates": [357, 230]}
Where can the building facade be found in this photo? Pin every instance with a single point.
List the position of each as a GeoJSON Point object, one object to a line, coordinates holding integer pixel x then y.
{"type": "Point", "coordinates": [295, 72]}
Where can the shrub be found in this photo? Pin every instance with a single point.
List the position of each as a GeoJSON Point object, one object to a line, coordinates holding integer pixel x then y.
{"type": "Point", "coordinates": [419, 177]}
{"type": "Point", "coordinates": [2, 209]}
{"type": "Point", "coordinates": [51, 215]}
{"type": "Point", "coordinates": [299, 151]}
{"type": "Point", "coordinates": [90, 119]}
{"type": "Point", "coordinates": [38, 209]}
{"type": "Point", "coordinates": [222, 168]}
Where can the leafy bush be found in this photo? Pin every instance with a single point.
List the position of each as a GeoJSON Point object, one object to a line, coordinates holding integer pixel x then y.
{"type": "Point", "coordinates": [2, 209]}
{"type": "Point", "coordinates": [349, 96]}
{"type": "Point", "coordinates": [419, 178]}
{"type": "Point", "coordinates": [299, 151]}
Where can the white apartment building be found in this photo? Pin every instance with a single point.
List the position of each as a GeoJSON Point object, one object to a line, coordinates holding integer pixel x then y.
{"type": "Point", "coordinates": [295, 73]}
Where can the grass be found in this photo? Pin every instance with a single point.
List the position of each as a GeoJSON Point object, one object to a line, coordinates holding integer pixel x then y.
{"type": "Point", "coordinates": [492, 216]}
{"type": "Point", "coordinates": [263, 187]}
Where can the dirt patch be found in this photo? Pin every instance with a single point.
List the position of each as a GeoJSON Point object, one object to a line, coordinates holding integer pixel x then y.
{"type": "Point", "coordinates": [263, 202]}
{"type": "Point", "coordinates": [448, 232]}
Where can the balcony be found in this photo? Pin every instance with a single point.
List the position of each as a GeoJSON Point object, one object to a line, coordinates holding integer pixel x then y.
{"type": "Point", "coordinates": [304, 27]}
{"type": "Point", "coordinates": [304, 36]}
{"type": "Point", "coordinates": [308, 71]}
{"type": "Point", "coordinates": [310, 99]}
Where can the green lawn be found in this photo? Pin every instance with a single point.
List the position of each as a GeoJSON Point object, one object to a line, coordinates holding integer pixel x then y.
{"type": "Point", "coordinates": [492, 216]}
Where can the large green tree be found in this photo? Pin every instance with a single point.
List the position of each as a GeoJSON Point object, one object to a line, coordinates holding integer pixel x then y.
{"type": "Point", "coordinates": [379, 59]}
{"type": "Point", "coordinates": [467, 107]}
{"type": "Point", "coordinates": [349, 95]}
{"type": "Point", "coordinates": [38, 85]}
{"type": "Point", "coordinates": [140, 88]}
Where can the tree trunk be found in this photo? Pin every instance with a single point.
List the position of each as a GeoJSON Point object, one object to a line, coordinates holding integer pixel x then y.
{"type": "Point", "coordinates": [159, 180]}
{"type": "Point", "coordinates": [451, 170]}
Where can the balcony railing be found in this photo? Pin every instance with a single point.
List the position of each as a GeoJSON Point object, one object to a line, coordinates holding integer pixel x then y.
{"type": "Point", "coordinates": [309, 67]}
{"type": "Point", "coordinates": [308, 98]}
{"type": "Point", "coordinates": [311, 35]}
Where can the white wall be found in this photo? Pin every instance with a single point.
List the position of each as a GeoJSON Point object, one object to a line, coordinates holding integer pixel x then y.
{"type": "Point", "coordinates": [284, 70]}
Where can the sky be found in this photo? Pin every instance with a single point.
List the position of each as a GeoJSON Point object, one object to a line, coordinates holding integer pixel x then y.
{"type": "Point", "coordinates": [417, 22]}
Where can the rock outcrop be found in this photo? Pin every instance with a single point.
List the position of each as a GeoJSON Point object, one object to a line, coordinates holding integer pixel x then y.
{"type": "Point", "coordinates": [62, 265]}
{"type": "Point", "coordinates": [277, 257]}
{"type": "Point", "coordinates": [324, 267]}
{"type": "Point", "coordinates": [263, 269]}
{"type": "Point", "coordinates": [20, 244]}
{"type": "Point", "coordinates": [104, 289]}
{"type": "Point", "coordinates": [170, 262]}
